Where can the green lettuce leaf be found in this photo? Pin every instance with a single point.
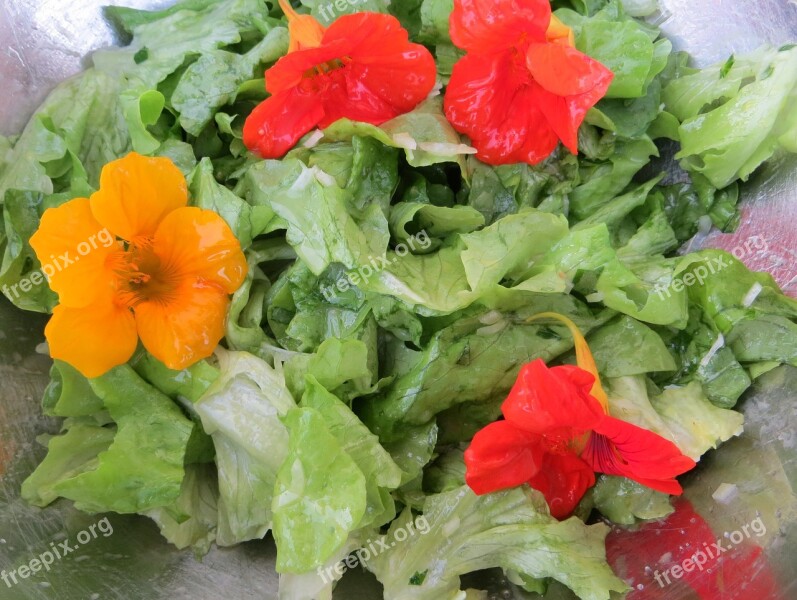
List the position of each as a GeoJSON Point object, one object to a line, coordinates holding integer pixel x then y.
{"type": "Point", "coordinates": [340, 366]}
{"type": "Point", "coordinates": [736, 115]}
{"type": "Point", "coordinates": [459, 274]}
{"type": "Point", "coordinates": [510, 529]}
{"type": "Point", "coordinates": [143, 466]}
{"type": "Point", "coordinates": [621, 44]}
{"type": "Point", "coordinates": [475, 359]}
{"type": "Point", "coordinates": [424, 133]}
{"type": "Point", "coordinates": [69, 455]}
{"type": "Point", "coordinates": [319, 495]}
{"type": "Point", "coordinates": [681, 414]}
{"type": "Point", "coordinates": [215, 78]}
{"type": "Point", "coordinates": [320, 226]}
{"type": "Point", "coordinates": [327, 12]}
{"type": "Point", "coordinates": [241, 411]}
{"type": "Point", "coordinates": [627, 347]}
{"type": "Point", "coordinates": [190, 522]}
{"type": "Point", "coordinates": [161, 42]}
{"type": "Point", "coordinates": [382, 475]}
{"type": "Point", "coordinates": [69, 393]}
{"type": "Point", "coordinates": [625, 502]}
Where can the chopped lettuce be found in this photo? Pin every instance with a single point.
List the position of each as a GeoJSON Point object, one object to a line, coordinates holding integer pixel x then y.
{"type": "Point", "coordinates": [461, 363]}
{"type": "Point", "coordinates": [382, 475]}
{"type": "Point", "coordinates": [694, 422]}
{"type": "Point", "coordinates": [737, 114]}
{"type": "Point", "coordinates": [424, 134]}
{"type": "Point", "coordinates": [625, 501]}
{"type": "Point", "coordinates": [142, 466]}
{"type": "Point", "coordinates": [390, 277]}
{"type": "Point", "coordinates": [242, 412]}
{"type": "Point", "coordinates": [510, 529]}
{"type": "Point", "coordinates": [190, 522]}
{"type": "Point", "coordinates": [319, 496]}
{"type": "Point", "coordinates": [341, 366]}
{"type": "Point", "coordinates": [68, 456]}
{"type": "Point", "coordinates": [627, 347]}
{"type": "Point", "coordinates": [681, 414]}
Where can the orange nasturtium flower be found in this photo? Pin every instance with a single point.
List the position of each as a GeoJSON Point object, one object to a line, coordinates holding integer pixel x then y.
{"type": "Point", "coordinates": [165, 277]}
{"type": "Point", "coordinates": [557, 432]}
{"type": "Point", "coordinates": [522, 86]}
{"type": "Point", "coordinates": [362, 67]}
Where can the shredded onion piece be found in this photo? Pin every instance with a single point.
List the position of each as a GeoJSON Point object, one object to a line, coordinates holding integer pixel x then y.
{"type": "Point", "coordinates": [751, 296]}
{"type": "Point", "coordinates": [491, 329]}
{"type": "Point", "coordinates": [490, 318]}
{"type": "Point", "coordinates": [715, 347]}
{"type": "Point", "coordinates": [314, 138]}
{"type": "Point", "coordinates": [405, 140]}
{"type": "Point", "coordinates": [704, 224]}
{"type": "Point", "coordinates": [725, 493]}
{"type": "Point", "coordinates": [438, 87]}
{"type": "Point", "coordinates": [445, 149]}
{"type": "Point", "coordinates": [323, 177]}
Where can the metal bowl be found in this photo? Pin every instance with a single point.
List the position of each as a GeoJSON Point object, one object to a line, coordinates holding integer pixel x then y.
{"type": "Point", "coordinates": [44, 41]}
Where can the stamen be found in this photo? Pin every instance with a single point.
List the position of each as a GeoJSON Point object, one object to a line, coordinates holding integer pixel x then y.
{"type": "Point", "coordinates": [139, 274]}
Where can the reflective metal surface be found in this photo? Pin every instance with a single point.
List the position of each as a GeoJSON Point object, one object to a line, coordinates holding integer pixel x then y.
{"type": "Point", "coordinates": [45, 41]}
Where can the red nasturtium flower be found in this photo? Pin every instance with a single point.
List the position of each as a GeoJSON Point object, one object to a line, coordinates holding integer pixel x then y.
{"type": "Point", "coordinates": [164, 275]}
{"type": "Point", "coordinates": [522, 86]}
{"type": "Point", "coordinates": [557, 433]}
{"type": "Point", "coordinates": [362, 67]}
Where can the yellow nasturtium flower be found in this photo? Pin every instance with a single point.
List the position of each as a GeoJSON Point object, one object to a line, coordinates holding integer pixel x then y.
{"type": "Point", "coordinates": [164, 277]}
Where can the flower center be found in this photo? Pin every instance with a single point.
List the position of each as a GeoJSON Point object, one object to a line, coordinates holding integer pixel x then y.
{"type": "Point", "coordinates": [141, 275]}
{"type": "Point", "coordinates": [313, 79]}
{"type": "Point", "coordinates": [567, 441]}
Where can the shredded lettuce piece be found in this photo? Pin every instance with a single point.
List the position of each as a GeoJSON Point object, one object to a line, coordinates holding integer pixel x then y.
{"type": "Point", "coordinates": [511, 529]}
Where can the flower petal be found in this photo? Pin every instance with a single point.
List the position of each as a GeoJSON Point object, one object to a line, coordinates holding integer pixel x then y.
{"type": "Point", "coordinates": [383, 63]}
{"type": "Point", "coordinates": [305, 31]}
{"type": "Point", "coordinates": [192, 242]}
{"type": "Point", "coordinates": [289, 71]}
{"type": "Point", "coordinates": [93, 338]}
{"type": "Point", "coordinates": [492, 102]}
{"type": "Point", "coordinates": [584, 357]}
{"type": "Point", "coordinates": [278, 122]}
{"type": "Point", "coordinates": [136, 192]}
{"type": "Point", "coordinates": [501, 456]}
{"type": "Point", "coordinates": [546, 400]}
{"type": "Point", "coordinates": [563, 480]}
{"type": "Point", "coordinates": [562, 70]}
{"type": "Point", "coordinates": [492, 25]}
{"type": "Point", "coordinates": [559, 33]}
{"type": "Point", "coordinates": [366, 70]}
{"type": "Point", "coordinates": [620, 448]}
{"type": "Point", "coordinates": [185, 329]}
{"type": "Point", "coordinates": [73, 247]}
{"type": "Point", "coordinates": [569, 86]}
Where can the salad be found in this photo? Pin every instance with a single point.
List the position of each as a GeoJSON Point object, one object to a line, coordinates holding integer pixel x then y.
{"type": "Point", "coordinates": [398, 283]}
